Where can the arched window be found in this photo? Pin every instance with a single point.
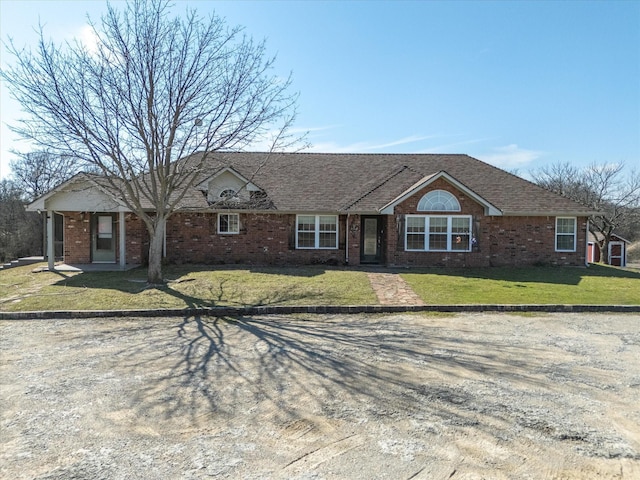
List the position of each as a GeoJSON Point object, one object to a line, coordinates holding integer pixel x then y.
{"type": "Point", "coordinates": [438, 201]}
{"type": "Point", "coordinates": [228, 194]}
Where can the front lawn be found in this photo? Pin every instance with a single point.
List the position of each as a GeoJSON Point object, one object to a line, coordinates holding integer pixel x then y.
{"type": "Point", "coordinates": [188, 286]}
{"type": "Point", "coordinates": [203, 286]}
{"type": "Point", "coordinates": [596, 285]}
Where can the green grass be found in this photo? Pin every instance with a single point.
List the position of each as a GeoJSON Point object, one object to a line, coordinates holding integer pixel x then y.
{"type": "Point", "coordinates": [193, 286]}
{"type": "Point", "coordinates": [598, 284]}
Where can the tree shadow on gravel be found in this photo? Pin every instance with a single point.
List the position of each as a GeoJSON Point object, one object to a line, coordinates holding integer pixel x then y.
{"type": "Point", "coordinates": [215, 371]}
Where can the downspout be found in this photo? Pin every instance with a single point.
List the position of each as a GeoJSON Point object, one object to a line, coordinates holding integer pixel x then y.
{"type": "Point", "coordinates": [346, 243]}
{"type": "Point", "coordinates": [122, 240]}
{"type": "Point", "coordinates": [586, 246]}
{"type": "Point", "coordinates": [50, 250]}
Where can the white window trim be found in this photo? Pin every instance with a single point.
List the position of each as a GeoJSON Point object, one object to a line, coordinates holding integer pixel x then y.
{"type": "Point", "coordinates": [449, 233]}
{"type": "Point", "coordinates": [317, 233]}
{"type": "Point", "coordinates": [575, 234]}
{"type": "Point", "coordinates": [237, 215]}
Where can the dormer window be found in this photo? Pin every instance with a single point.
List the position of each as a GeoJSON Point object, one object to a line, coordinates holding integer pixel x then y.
{"type": "Point", "coordinates": [228, 194]}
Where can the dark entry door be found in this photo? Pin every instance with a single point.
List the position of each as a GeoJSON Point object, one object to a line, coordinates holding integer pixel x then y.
{"type": "Point", "coordinates": [58, 236]}
{"type": "Point", "coordinates": [371, 243]}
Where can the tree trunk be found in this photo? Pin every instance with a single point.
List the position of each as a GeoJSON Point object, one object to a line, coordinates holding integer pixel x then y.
{"type": "Point", "coordinates": [604, 254]}
{"type": "Point", "coordinates": [156, 244]}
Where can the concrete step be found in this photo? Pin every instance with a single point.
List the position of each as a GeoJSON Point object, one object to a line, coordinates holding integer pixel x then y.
{"type": "Point", "coordinates": [21, 262]}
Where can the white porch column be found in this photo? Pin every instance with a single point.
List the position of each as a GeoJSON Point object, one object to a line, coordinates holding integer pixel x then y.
{"type": "Point", "coordinates": [50, 250]}
{"type": "Point", "coordinates": [123, 237]}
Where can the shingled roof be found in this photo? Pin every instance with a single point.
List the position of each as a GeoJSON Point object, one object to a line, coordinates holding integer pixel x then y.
{"type": "Point", "coordinates": [359, 183]}
{"type": "Point", "coordinates": [365, 183]}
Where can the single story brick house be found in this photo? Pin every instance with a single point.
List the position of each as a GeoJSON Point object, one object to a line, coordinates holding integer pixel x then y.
{"type": "Point", "coordinates": [336, 209]}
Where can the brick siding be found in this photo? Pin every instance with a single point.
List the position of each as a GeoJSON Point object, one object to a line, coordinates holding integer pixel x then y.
{"type": "Point", "coordinates": [502, 241]}
{"type": "Point", "coordinates": [77, 237]}
{"type": "Point", "coordinates": [264, 239]}
{"type": "Point", "coordinates": [269, 239]}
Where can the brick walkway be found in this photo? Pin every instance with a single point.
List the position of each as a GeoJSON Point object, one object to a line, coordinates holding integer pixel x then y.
{"type": "Point", "coordinates": [391, 289]}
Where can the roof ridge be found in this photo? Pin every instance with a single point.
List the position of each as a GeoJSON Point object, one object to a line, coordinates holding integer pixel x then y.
{"type": "Point", "coordinates": [378, 154]}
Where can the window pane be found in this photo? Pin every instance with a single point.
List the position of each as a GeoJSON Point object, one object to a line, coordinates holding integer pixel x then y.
{"type": "Point", "coordinates": [438, 224]}
{"type": "Point", "coordinates": [437, 241]}
{"type": "Point", "coordinates": [565, 242]}
{"type": "Point", "coordinates": [565, 234]}
{"type": "Point", "coordinates": [565, 225]}
{"type": "Point", "coordinates": [234, 223]}
{"type": "Point", "coordinates": [105, 226]}
{"type": "Point", "coordinates": [328, 223]}
{"type": "Point", "coordinates": [328, 240]}
{"type": "Point", "coordinates": [306, 223]}
{"type": "Point", "coordinates": [460, 225]}
{"type": "Point", "coordinates": [306, 240]}
{"type": "Point", "coordinates": [228, 194]}
{"type": "Point", "coordinates": [415, 242]}
{"type": "Point", "coordinates": [229, 223]}
{"type": "Point", "coordinates": [415, 224]}
{"type": "Point", "coordinates": [104, 243]}
{"type": "Point", "coordinates": [439, 200]}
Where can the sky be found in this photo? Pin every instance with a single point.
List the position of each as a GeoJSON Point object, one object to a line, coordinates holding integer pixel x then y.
{"type": "Point", "coordinates": [521, 84]}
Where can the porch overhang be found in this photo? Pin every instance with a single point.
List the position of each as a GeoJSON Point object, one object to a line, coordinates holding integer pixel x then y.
{"type": "Point", "coordinates": [79, 194]}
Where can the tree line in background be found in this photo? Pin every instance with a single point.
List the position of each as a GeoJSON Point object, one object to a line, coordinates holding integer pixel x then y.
{"type": "Point", "coordinates": [33, 174]}
{"type": "Point", "coordinates": [608, 188]}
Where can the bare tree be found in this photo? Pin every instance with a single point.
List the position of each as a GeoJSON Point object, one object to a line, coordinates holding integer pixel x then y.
{"type": "Point", "coordinates": [608, 188]}
{"type": "Point", "coordinates": [155, 89]}
{"type": "Point", "coordinates": [38, 172]}
{"type": "Point", "coordinates": [34, 174]}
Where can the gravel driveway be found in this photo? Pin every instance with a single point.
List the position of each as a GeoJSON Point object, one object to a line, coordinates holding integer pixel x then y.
{"type": "Point", "coordinates": [310, 396]}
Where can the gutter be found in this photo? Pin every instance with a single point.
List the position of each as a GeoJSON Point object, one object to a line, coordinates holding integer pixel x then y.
{"type": "Point", "coordinates": [549, 214]}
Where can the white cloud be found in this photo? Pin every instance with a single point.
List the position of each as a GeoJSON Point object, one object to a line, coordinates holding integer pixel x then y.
{"type": "Point", "coordinates": [454, 146]}
{"type": "Point", "coordinates": [361, 147]}
{"type": "Point", "coordinates": [87, 37]}
{"type": "Point", "coordinates": [511, 156]}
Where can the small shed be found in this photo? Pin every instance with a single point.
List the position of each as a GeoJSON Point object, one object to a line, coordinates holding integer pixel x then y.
{"type": "Point", "coordinates": [616, 253]}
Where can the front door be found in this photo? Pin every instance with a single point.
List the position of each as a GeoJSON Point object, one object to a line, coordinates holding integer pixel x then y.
{"type": "Point", "coordinates": [371, 243]}
{"type": "Point", "coordinates": [103, 242]}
